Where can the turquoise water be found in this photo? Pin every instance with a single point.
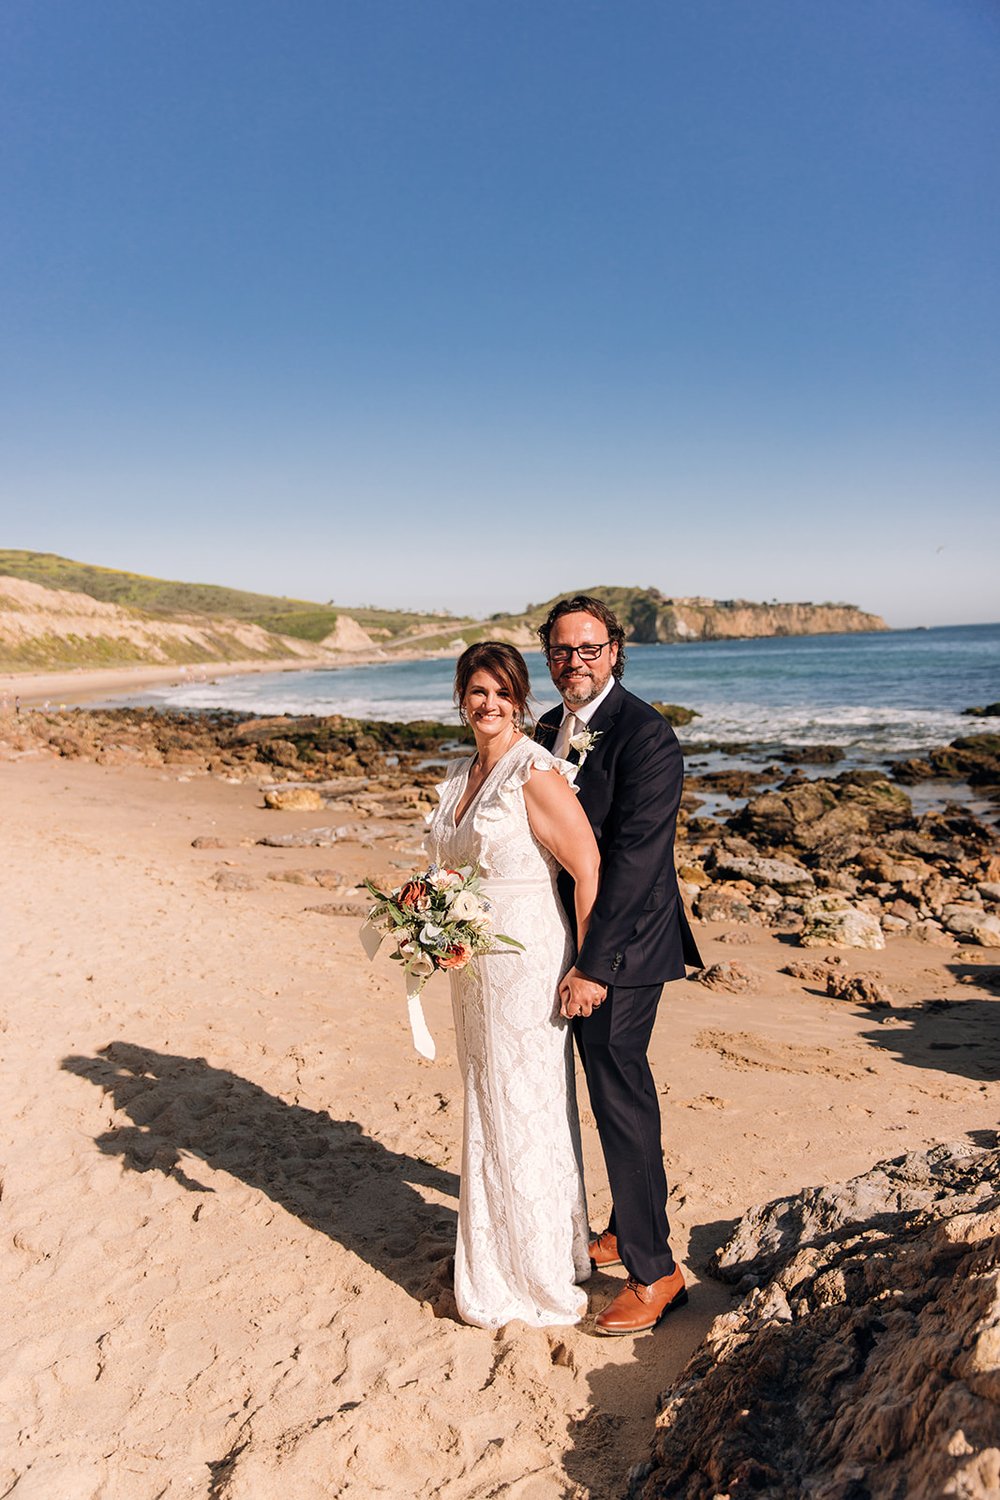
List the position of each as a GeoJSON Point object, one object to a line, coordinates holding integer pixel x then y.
{"type": "Point", "coordinates": [871, 694]}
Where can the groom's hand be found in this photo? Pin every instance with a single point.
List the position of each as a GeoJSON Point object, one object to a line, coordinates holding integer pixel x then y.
{"type": "Point", "coordinates": [580, 995]}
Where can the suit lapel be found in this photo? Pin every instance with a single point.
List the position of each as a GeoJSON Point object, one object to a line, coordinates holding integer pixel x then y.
{"type": "Point", "coordinates": [608, 712]}
{"type": "Point", "coordinates": [602, 722]}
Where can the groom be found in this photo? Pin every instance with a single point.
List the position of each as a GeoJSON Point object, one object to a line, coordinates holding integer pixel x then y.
{"type": "Point", "coordinates": [629, 782]}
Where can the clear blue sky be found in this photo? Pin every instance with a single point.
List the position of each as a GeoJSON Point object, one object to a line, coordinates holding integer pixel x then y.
{"type": "Point", "coordinates": [459, 304]}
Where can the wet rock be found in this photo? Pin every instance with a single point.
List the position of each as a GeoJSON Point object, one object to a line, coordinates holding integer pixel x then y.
{"type": "Point", "coordinates": [812, 755]}
{"type": "Point", "coordinates": [859, 989]}
{"type": "Point", "coordinates": [866, 1361]}
{"type": "Point", "coordinates": [293, 799]}
{"type": "Point", "coordinates": [778, 873]}
{"type": "Point", "coordinates": [831, 921]}
{"type": "Point", "coordinates": [730, 977]}
{"type": "Point", "coordinates": [831, 819]}
{"type": "Point", "coordinates": [675, 714]}
{"type": "Point", "coordinates": [733, 783]}
{"type": "Point", "coordinates": [989, 711]}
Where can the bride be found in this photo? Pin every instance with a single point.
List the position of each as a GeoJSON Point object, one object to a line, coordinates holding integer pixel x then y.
{"type": "Point", "coordinates": [511, 809]}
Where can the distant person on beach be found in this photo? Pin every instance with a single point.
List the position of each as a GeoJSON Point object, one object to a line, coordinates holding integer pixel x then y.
{"type": "Point", "coordinates": [629, 783]}
{"type": "Point", "coordinates": [510, 809]}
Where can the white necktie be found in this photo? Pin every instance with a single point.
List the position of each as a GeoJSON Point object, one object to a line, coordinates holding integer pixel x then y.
{"type": "Point", "coordinates": [569, 726]}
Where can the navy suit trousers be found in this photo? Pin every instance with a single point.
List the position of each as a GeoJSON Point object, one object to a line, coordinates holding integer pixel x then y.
{"type": "Point", "coordinates": [613, 1042]}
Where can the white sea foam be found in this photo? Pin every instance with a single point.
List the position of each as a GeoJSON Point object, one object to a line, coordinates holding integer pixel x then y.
{"type": "Point", "coordinates": [873, 696]}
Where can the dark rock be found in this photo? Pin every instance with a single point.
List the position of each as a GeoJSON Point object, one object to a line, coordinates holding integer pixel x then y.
{"type": "Point", "coordinates": [990, 711]}
{"type": "Point", "coordinates": [867, 1361]}
{"type": "Point", "coordinates": [812, 755]}
{"type": "Point", "coordinates": [675, 714]}
{"type": "Point", "coordinates": [733, 783]}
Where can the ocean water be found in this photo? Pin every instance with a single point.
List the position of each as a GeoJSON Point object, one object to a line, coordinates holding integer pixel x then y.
{"type": "Point", "coordinates": [874, 695]}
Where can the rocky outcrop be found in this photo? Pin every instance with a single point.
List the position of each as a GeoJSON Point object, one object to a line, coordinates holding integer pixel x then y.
{"type": "Point", "coordinates": [843, 860]}
{"type": "Point", "coordinates": [648, 615]}
{"type": "Point", "coordinates": [864, 1360]}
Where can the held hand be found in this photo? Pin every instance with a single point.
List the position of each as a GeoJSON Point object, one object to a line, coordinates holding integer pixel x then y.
{"type": "Point", "coordinates": [580, 995]}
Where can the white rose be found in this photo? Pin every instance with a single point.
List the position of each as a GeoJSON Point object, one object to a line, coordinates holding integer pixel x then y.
{"type": "Point", "coordinates": [429, 934]}
{"type": "Point", "coordinates": [420, 966]}
{"type": "Point", "coordinates": [465, 907]}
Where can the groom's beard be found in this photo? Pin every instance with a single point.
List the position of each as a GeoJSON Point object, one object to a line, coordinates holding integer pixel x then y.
{"type": "Point", "coordinates": [580, 686]}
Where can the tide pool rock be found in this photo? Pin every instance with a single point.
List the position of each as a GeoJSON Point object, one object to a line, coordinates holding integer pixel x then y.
{"type": "Point", "coordinates": [831, 921]}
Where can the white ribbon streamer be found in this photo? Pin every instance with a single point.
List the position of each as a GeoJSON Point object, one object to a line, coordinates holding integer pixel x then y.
{"type": "Point", "coordinates": [422, 1039]}
{"type": "Point", "coordinates": [371, 941]}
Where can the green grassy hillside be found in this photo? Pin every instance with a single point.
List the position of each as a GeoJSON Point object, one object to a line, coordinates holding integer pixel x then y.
{"type": "Point", "coordinates": [162, 597]}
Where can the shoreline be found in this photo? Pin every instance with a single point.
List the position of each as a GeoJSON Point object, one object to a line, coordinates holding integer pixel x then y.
{"type": "Point", "coordinates": [76, 686]}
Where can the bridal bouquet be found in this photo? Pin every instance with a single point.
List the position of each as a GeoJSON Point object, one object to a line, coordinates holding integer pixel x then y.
{"type": "Point", "coordinates": [437, 920]}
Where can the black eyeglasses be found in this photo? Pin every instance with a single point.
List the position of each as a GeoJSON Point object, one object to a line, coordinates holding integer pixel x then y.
{"type": "Point", "coordinates": [562, 654]}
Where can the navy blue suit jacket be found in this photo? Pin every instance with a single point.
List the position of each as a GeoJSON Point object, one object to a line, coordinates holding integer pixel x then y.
{"type": "Point", "coordinates": [630, 788]}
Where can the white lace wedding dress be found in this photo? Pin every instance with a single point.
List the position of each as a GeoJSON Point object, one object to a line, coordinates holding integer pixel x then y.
{"type": "Point", "coordinates": [522, 1221]}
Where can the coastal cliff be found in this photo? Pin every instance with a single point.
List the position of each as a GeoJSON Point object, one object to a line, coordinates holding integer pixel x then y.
{"type": "Point", "coordinates": [650, 616]}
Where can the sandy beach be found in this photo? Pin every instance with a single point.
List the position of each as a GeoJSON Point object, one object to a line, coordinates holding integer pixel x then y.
{"type": "Point", "coordinates": [229, 1184]}
{"type": "Point", "coordinates": [91, 685]}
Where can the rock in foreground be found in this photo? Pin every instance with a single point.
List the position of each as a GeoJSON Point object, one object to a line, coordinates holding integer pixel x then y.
{"type": "Point", "coordinates": [868, 1365]}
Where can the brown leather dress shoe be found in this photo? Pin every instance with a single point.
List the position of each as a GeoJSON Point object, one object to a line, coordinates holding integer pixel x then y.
{"type": "Point", "coordinates": [604, 1251]}
{"type": "Point", "coordinates": [638, 1308]}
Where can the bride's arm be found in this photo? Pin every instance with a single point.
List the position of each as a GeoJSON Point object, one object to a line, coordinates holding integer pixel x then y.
{"type": "Point", "coordinates": [560, 823]}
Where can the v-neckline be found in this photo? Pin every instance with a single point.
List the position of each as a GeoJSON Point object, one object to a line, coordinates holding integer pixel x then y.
{"type": "Point", "coordinates": [458, 821]}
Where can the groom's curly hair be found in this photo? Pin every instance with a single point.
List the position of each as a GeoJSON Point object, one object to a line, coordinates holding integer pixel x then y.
{"type": "Point", "coordinates": [586, 604]}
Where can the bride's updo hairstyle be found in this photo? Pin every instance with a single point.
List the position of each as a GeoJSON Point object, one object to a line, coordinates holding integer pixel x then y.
{"type": "Point", "coordinates": [503, 662]}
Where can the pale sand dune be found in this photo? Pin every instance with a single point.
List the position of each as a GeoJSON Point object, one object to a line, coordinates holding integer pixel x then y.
{"type": "Point", "coordinates": [226, 1239]}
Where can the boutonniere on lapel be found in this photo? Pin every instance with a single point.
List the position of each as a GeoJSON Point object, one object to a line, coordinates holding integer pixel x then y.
{"type": "Point", "coordinates": [583, 742]}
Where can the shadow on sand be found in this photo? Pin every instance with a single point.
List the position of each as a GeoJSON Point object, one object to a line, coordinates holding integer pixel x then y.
{"type": "Point", "coordinates": [319, 1169]}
